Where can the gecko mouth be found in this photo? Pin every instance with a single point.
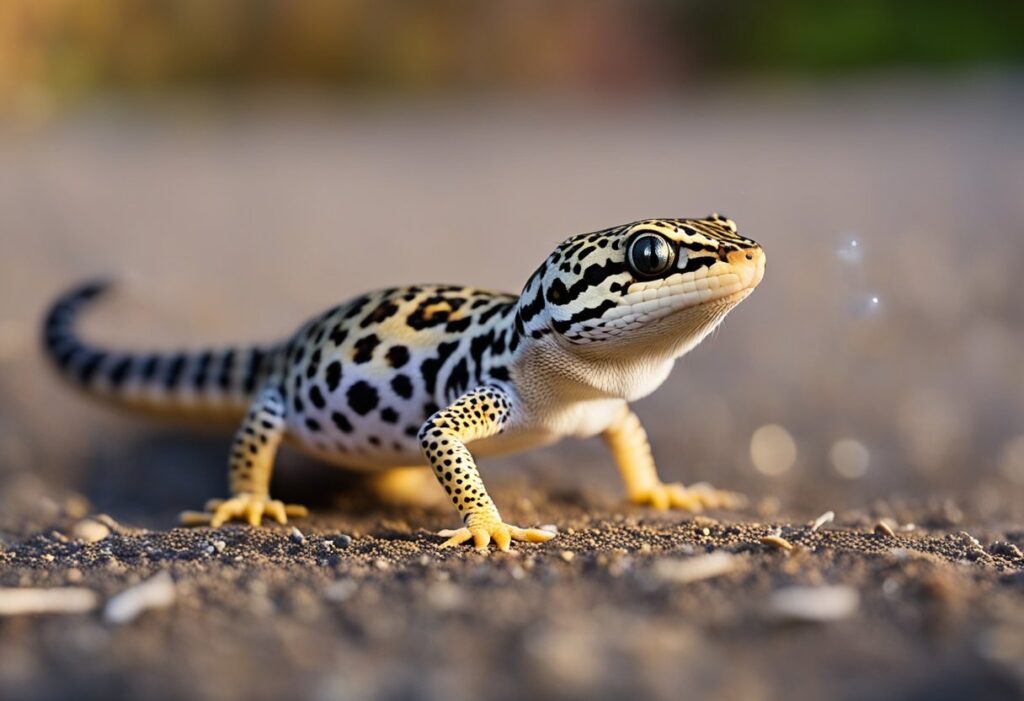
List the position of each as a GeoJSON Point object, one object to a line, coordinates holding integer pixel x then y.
{"type": "Point", "coordinates": [719, 284]}
{"type": "Point", "coordinates": [715, 289]}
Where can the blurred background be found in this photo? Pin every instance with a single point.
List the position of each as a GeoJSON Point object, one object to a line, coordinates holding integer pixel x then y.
{"type": "Point", "coordinates": [240, 165]}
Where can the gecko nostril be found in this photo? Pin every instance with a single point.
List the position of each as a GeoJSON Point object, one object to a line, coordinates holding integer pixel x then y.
{"type": "Point", "coordinates": [750, 256]}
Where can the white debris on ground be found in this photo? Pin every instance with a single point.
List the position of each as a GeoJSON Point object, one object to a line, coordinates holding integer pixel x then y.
{"type": "Point", "coordinates": [814, 604]}
{"type": "Point", "coordinates": [695, 569]}
{"type": "Point", "coordinates": [21, 602]}
{"type": "Point", "coordinates": [826, 517]}
{"type": "Point", "coordinates": [155, 593]}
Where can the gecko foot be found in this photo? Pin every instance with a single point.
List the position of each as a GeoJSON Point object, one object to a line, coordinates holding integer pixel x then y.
{"type": "Point", "coordinates": [694, 498]}
{"type": "Point", "coordinates": [483, 529]}
{"type": "Point", "coordinates": [243, 507]}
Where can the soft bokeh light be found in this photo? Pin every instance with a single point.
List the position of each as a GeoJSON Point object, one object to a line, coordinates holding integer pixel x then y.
{"type": "Point", "coordinates": [1011, 460]}
{"type": "Point", "coordinates": [850, 458]}
{"type": "Point", "coordinates": [772, 450]}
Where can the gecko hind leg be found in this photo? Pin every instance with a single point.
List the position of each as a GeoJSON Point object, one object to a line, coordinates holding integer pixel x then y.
{"type": "Point", "coordinates": [250, 467]}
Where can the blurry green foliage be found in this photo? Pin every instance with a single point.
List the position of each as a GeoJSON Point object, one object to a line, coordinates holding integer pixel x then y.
{"type": "Point", "coordinates": [823, 36]}
{"type": "Point", "coordinates": [52, 51]}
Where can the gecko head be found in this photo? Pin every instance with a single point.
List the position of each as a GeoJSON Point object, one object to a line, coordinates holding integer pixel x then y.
{"type": "Point", "coordinates": [657, 284]}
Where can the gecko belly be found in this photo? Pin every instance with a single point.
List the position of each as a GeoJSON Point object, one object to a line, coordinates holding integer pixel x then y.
{"type": "Point", "coordinates": [374, 458]}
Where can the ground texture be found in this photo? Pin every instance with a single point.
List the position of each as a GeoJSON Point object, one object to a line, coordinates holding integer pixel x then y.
{"type": "Point", "coordinates": [370, 607]}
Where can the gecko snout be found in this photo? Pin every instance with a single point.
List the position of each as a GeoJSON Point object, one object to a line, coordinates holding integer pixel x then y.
{"type": "Point", "coordinates": [748, 263]}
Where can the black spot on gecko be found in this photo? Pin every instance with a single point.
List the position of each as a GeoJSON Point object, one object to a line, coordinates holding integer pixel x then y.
{"type": "Point", "coordinates": [149, 367]}
{"type": "Point", "coordinates": [356, 306]}
{"type": "Point", "coordinates": [458, 380]}
{"type": "Point", "coordinates": [314, 364]}
{"type": "Point", "coordinates": [119, 373]}
{"type": "Point", "coordinates": [333, 375]}
{"type": "Point", "coordinates": [341, 421]}
{"type": "Point", "coordinates": [202, 372]}
{"type": "Point", "coordinates": [381, 312]}
{"type": "Point", "coordinates": [499, 372]}
{"type": "Point", "coordinates": [459, 325]}
{"type": "Point", "coordinates": [431, 366]}
{"type": "Point", "coordinates": [364, 348]}
{"type": "Point", "coordinates": [402, 386]}
{"type": "Point", "coordinates": [583, 315]}
{"type": "Point", "coordinates": [174, 372]}
{"type": "Point", "coordinates": [338, 334]}
{"type": "Point", "coordinates": [397, 356]}
{"type": "Point", "coordinates": [253, 370]}
{"type": "Point", "coordinates": [316, 397]}
{"type": "Point", "coordinates": [362, 397]}
{"type": "Point", "coordinates": [227, 365]}
{"type": "Point", "coordinates": [389, 415]}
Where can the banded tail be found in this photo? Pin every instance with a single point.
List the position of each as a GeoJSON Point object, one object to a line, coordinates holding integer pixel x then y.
{"type": "Point", "coordinates": [203, 384]}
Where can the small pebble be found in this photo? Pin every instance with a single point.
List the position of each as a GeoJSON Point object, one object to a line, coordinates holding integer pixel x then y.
{"type": "Point", "coordinates": [777, 541]}
{"type": "Point", "coordinates": [219, 545]}
{"type": "Point", "coordinates": [90, 531]}
{"type": "Point", "coordinates": [567, 555]}
{"type": "Point", "coordinates": [296, 536]}
{"type": "Point", "coordinates": [342, 541]}
{"type": "Point", "coordinates": [883, 528]}
{"type": "Point", "coordinates": [108, 521]}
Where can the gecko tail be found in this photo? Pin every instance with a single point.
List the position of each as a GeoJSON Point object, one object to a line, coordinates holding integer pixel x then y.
{"type": "Point", "coordinates": [208, 383]}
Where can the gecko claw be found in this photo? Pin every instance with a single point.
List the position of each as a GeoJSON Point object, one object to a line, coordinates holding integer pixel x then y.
{"type": "Point", "coordinates": [243, 507]}
{"type": "Point", "coordinates": [694, 499]}
{"type": "Point", "coordinates": [501, 533]}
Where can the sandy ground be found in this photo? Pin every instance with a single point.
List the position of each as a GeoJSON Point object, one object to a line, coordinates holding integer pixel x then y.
{"type": "Point", "coordinates": [236, 224]}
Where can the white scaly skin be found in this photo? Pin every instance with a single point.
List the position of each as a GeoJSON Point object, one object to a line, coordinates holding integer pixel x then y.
{"type": "Point", "coordinates": [403, 376]}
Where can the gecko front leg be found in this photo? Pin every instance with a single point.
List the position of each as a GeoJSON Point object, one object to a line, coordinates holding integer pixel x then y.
{"type": "Point", "coordinates": [632, 451]}
{"type": "Point", "coordinates": [480, 413]}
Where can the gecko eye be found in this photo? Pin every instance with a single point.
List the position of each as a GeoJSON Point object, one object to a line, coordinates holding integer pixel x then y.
{"type": "Point", "coordinates": [649, 254]}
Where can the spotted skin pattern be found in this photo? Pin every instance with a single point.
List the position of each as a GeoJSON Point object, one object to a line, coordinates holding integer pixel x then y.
{"type": "Point", "coordinates": [412, 375]}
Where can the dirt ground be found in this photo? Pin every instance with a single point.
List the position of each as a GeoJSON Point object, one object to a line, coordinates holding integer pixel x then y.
{"type": "Point", "coordinates": [602, 611]}
{"type": "Point", "coordinates": [235, 224]}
